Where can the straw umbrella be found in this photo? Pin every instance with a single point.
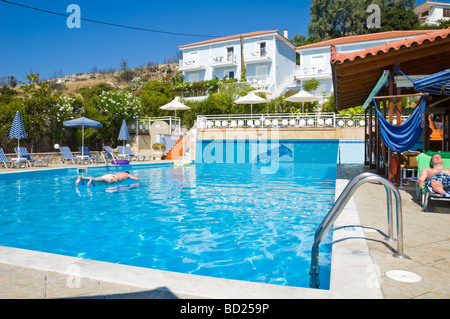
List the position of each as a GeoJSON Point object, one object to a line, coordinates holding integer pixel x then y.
{"type": "Point", "coordinates": [251, 98]}
{"type": "Point", "coordinates": [303, 97]}
{"type": "Point", "coordinates": [175, 105]}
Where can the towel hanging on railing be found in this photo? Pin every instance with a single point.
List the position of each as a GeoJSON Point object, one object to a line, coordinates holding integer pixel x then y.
{"type": "Point", "coordinates": [402, 138]}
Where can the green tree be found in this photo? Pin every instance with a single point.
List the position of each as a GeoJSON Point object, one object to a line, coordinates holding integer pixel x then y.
{"type": "Point", "coordinates": [338, 18]}
{"type": "Point", "coordinates": [153, 95]}
{"type": "Point", "coordinates": [39, 104]}
{"type": "Point", "coordinates": [114, 107]}
{"type": "Point", "coordinates": [398, 16]}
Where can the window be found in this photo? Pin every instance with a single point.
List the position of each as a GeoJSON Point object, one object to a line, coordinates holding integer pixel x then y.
{"type": "Point", "coordinates": [262, 49]}
{"type": "Point", "coordinates": [261, 72]}
{"type": "Point", "coordinates": [230, 54]}
{"type": "Point", "coordinates": [194, 77]}
{"type": "Point", "coordinates": [317, 63]}
{"type": "Point", "coordinates": [446, 13]}
{"type": "Point", "coordinates": [425, 14]}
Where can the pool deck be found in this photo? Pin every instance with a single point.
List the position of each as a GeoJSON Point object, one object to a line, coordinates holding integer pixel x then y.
{"type": "Point", "coordinates": [361, 260]}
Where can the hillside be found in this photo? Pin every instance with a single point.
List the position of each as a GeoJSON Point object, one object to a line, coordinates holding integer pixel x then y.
{"type": "Point", "coordinates": [119, 79]}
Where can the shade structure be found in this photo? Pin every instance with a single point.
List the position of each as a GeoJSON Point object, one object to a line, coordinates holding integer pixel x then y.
{"type": "Point", "coordinates": [123, 134]}
{"type": "Point", "coordinates": [303, 97]}
{"type": "Point", "coordinates": [17, 129]}
{"type": "Point", "coordinates": [251, 98]}
{"type": "Point", "coordinates": [175, 105]}
{"type": "Point", "coordinates": [438, 83]}
{"type": "Point", "coordinates": [82, 122]}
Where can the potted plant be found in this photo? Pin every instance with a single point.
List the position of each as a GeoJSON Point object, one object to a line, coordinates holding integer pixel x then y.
{"type": "Point", "coordinates": [158, 150]}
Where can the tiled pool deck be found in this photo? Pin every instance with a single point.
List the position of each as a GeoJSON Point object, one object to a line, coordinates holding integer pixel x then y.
{"type": "Point", "coordinates": [361, 259]}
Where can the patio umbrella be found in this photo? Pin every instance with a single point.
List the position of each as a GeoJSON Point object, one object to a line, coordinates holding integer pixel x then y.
{"type": "Point", "coordinates": [303, 97]}
{"type": "Point", "coordinates": [251, 98]}
{"type": "Point", "coordinates": [17, 129]}
{"type": "Point", "coordinates": [123, 135]}
{"type": "Point", "coordinates": [437, 83]}
{"type": "Point", "coordinates": [175, 105]}
{"type": "Point", "coordinates": [82, 122]}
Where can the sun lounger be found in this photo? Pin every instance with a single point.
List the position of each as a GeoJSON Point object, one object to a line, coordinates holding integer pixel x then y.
{"type": "Point", "coordinates": [4, 159]}
{"type": "Point", "coordinates": [85, 151]}
{"type": "Point", "coordinates": [129, 152]}
{"type": "Point", "coordinates": [23, 155]}
{"type": "Point", "coordinates": [42, 162]}
{"type": "Point", "coordinates": [67, 155]}
{"type": "Point", "coordinates": [424, 195]}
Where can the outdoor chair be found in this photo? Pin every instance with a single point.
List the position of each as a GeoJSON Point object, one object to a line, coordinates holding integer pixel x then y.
{"type": "Point", "coordinates": [109, 154]}
{"type": "Point", "coordinates": [22, 154]}
{"type": "Point", "coordinates": [85, 151]}
{"type": "Point", "coordinates": [128, 151]}
{"type": "Point", "coordinates": [42, 162]}
{"type": "Point", "coordinates": [424, 195]}
{"type": "Point", "coordinates": [66, 155]}
{"type": "Point", "coordinates": [4, 159]}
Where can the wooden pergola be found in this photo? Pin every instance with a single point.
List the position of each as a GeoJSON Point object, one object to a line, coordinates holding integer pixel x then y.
{"type": "Point", "coordinates": [357, 74]}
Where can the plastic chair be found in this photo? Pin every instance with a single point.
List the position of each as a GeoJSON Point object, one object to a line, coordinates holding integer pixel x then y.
{"type": "Point", "coordinates": [66, 155]}
{"type": "Point", "coordinates": [4, 159]}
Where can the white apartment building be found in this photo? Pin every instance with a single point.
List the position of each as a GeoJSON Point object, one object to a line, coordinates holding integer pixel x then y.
{"type": "Point", "coordinates": [430, 12]}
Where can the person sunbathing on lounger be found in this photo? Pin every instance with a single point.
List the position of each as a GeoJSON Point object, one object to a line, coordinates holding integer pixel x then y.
{"type": "Point", "coordinates": [109, 178]}
{"type": "Point", "coordinates": [436, 178]}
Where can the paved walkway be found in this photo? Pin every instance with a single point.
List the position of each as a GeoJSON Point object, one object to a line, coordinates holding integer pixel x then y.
{"type": "Point", "coordinates": [426, 243]}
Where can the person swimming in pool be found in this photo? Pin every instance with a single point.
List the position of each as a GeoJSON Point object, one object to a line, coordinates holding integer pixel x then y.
{"type": "Point", "coordinates": [109, 178]}
{"type": "Point", "coordinates": [436, 178]}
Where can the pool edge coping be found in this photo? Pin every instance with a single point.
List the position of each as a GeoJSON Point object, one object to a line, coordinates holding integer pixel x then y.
{"type": "Point", "coordinates": [353, 273]}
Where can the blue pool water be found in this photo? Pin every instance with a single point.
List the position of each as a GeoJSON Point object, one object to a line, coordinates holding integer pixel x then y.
{"type": "Point", "coordinates": [229, 220]}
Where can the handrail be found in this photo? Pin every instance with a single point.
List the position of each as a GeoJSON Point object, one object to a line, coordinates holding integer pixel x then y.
{"type": "Point", "coordinates": [188, 135]}
{"type": "Point", "coordinates": [339, 205]}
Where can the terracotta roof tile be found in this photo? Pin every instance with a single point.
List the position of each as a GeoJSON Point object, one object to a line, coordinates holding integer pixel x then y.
{"type": "Point", "coordinates": [366, 37]}
{"type": "Point", "coordinates": [231, 37]}
{"type": "Point", "coordinates": [337, 57]}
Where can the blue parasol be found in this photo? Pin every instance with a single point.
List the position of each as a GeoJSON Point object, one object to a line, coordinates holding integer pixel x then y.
{"type": "Point", "coordinates": [82, 122]}
{"type": "Point", "coordinates": [123, 134]}
{"type": "Point", "coordinates": [17, 129]}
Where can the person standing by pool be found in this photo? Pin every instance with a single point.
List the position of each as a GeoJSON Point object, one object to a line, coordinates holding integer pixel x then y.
{"type": "Point", "coordinates": [109, 178]}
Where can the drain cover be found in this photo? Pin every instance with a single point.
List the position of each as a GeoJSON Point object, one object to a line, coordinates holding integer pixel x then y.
{"type": "Point", "coordinates": [403, 276]}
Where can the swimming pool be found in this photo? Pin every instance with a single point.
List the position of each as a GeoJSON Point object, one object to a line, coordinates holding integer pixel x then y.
{"type": "Point", "coordinates": [228, 220]}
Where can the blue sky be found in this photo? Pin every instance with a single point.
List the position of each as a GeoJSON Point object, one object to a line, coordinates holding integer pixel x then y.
{"type": "Point", "coordinates": [37, 42]}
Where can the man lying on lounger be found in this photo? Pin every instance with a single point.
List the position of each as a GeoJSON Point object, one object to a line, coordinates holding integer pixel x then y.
{"type": "Point", "coordinates": [109, 178]}
{"type": "Point", "coordinates": [437, 178]}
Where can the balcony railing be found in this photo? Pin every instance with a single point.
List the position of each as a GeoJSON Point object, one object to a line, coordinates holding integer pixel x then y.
{"type": "Point", "coordinates": [223, 61]}
{"type": "Point", "coordinates": [258, 56]}
{"type": "Point", "coordinates": [192, 65]}
{"type": "Point", "coordinates": [293, 120]}
{"type": "Point", "coordinates": [317, 69]}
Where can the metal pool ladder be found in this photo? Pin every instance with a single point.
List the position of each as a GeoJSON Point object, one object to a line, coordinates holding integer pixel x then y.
{"type": "Point", "coordinates": [339, 205]}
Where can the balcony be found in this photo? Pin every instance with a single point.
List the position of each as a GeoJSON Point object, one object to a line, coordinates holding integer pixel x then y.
{"type": "Point", "coordinates": [192, 65]}
{"type": "Point", "coordinates": [223, 61]}
{"type": "Point", "coordinates": [316, 71]}
{"type": "Point", "coordinates": [258, 57]}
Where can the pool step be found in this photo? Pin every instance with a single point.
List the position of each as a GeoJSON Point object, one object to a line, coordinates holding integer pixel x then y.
{"type": "Point", "coordinates": [176, 151]}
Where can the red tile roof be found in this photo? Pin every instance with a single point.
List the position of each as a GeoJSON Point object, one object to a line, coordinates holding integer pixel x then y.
{"type": "Point", "coordinates": [430, 35]}
{"type": "Point", "coordinates": [231, 37]}
{"type": "Point", "coordinates": [366, 37]}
